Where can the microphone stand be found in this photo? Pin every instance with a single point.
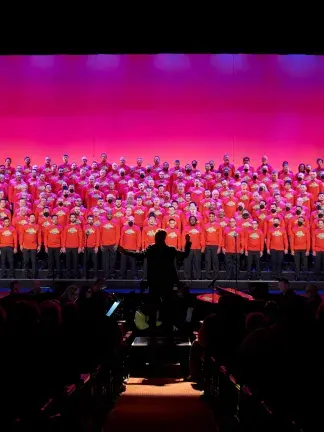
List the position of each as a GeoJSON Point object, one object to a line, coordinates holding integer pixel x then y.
{"type": "Point", "coordinates": [211, 285]}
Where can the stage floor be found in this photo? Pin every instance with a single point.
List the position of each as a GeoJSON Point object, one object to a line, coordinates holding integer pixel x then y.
{"type": "Point", "coordinates": [128, 285]}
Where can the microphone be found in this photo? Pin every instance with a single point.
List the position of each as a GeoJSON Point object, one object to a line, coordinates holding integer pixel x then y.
{"type": "Point", "coordinates": [87, 233]}
{"type": "Point", "coordinates": [235, 234]}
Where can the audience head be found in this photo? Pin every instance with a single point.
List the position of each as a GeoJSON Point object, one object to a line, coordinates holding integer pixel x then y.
{"type": "Point", "coordinates": [14, 287]}
{"type": "Point", "coordinates": [26, 315]}
{"type": "Point", "coordinates": [50, 315]}
{"type": "Point", "coordinates": [320, 316]}
{"type": "Point", "coordinates": [271, 310]}
{"type": "Point", "coordinates": [37, 286]}
{"type": "Point", "coordinates": [311, 291]}
{"type": "Point", "coordinates": [3, 320]}
{"type": "Point", "coordinates": [255, 320]}
{"type": "Point", "coordinates": [85, 292]}
{"type": "Point", "coordinates": [283, 285]}
{"type": "Point", "coordinates": [98, 285]}
{"type": "Point", "coordinates": [69, 313]}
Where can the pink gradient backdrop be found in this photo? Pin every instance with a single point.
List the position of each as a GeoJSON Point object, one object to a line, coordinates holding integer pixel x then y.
{"type": "Point", "coordinates": [176, 106]}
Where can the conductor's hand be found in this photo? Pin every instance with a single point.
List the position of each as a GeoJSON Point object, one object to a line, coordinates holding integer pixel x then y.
{"type": "Point", "coordinates": [187, 238]}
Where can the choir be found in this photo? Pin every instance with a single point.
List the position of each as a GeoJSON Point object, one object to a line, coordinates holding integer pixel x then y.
{"type": "Point", "coordinates": [237, 215]}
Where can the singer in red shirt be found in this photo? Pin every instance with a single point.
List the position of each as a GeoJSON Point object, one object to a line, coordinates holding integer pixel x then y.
{"type": "Point", "coordinates": [277, 247]}
{"type": "Point", "coordinates": [232, 245]}
{"type": "Point", "coordinates": [8, 246]}
{"type": "Point", "coordinates": [300, 245]}
{"type": "Point", "coordinates": [53, 236]}
{"type": "Point", "coordinates": [30, 244]}
{"type": "Point", "coordinates": [192, 264]}
{"type": "Point", "coordinates": [254, 245]}
{"type": "Point", "coordinates": [318, 248]}
{"type": "Point", "coordinates": [91, 245]}
{"type": "Point", "coordinates": [213, 233]}
{"type": "Point", "coordinates": [72, 246]}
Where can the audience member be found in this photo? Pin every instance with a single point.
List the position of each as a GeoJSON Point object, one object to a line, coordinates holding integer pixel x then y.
{"type": "Point", "coordinates": [71, 294]}
{"type": "Point", "coordinates": [313, 299]}
{"type": "Point", "coordinates": [14, 287]}
{"type": "Point", "coordinates": [277, 350]}
{"type": "Point", "coordinates": [254, 321]}
{"type": "Point", "coordinates": [49, 343]}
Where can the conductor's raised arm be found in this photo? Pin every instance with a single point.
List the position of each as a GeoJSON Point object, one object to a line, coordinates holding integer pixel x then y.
{"type": "Point", "coordinates": [137, 255]}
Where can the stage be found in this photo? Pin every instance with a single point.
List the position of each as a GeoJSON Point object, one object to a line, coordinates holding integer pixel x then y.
{"type": "Point", "coordinates": [199, 286]}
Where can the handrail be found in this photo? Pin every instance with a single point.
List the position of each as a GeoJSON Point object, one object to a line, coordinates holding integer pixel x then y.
{"type": "Point", "coordinates": [58, 405]}
{"type": "Point", "coordinates": [246, 391]}
{"type": "Point", "coordinates": [47, 405]}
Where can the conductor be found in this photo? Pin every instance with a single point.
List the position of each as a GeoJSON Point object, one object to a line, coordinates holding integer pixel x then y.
{"type": "Point", "coordinates": [161, 273]}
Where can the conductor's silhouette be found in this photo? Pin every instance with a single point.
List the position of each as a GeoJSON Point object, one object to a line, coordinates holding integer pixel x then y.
{"type": "Point", "coordinates": [162, 274]}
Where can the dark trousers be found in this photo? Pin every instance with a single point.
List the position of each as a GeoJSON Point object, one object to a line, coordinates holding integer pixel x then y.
{"type": "Point", "coordinates": [124, 261]}
{"type": "Point", "coordinates": [276, 263]}
{"type": "Point", "coordinates": [192, 265]}
{"type": "Point", "coordinates": [54, 261]}
{"type": "Point", "coordinates": [232, 264]}
{"type": "Point", "coordinates": [30, 254]}
{"type": "Point", "coordinates": [72, 262]}
{"type": "Point", "coordinates": [253, 256]}
{"type": "Point", "coordinates": [243, 262]}
{"type": "Point", "coordinates": [211, 262]}
{"type": "Point", "coordinates": [319, 263]}
{"type": "Point", "coordinates": [90, 257]}
{"type": "Point", "coordinates": [301, 261]}
{"type": "Point", "coordinates": [109, 261]}
{"type": "Point", "coordinates": [161, 298]}
{"type": "Point", "coordinates": [42, 257]}
{"type": "Point", "coordinates": [7, 255]}
{"type": "Point", "coordinates": [18, 259]}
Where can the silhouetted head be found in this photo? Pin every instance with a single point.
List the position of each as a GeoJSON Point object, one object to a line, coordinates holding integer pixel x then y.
{"type": "Point", "coordinates": [311, 291]}
{"type": "Point", "coordinates": [283, 285]}
{"type": "Point", "coordinates": [160, 236]}
{"type": "Point", "coordinates": [320, 316]}
{"type": "Point", "coordinates": [255, 320]}
{"type": "Point", "coordinates": [14, 287]}
{"type": "Point", "coordinates": [271, 310]}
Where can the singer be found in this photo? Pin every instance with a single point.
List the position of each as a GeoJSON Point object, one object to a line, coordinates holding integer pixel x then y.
{"type": "Point", "coordinates": [90, 247]}
{"type": "Point", "coordinates": [233, 245]}
{"type": "Point", "coordinates": [72, 246]}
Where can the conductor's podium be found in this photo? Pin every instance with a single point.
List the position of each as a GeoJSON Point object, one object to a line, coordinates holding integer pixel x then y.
{"type": "Point", "coordinates": [158, 356]}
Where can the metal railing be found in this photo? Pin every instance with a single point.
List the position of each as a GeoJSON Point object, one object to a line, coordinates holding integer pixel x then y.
{"type": "Point", "coordinates": [237, 408]}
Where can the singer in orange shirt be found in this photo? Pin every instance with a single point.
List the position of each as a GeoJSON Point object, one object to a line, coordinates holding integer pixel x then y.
{"type": "Point", "coordinates": [53, 238]}
{"type": "Point", "coordinates": [300, 245]}
{"type": "Point", "coordinates": [318, 248]}
{"type": "Point", "coordinates": [277, 246]}
{"type": "Point", "coordinates": [213, 233]}
{"type": "Point", "coordinates": [192, 264]}
{"type": "Point", "coordinates": [130, 238]}
{"type": "Point", "coordinates": [254, 245]}
{"type": "Point", "coordinates": [91, 243]}
{"type": "Point", "coordinates": [72, 246]}
{"type": "Point", "coordinates": [8, 245]}
{"type": "Point", "coordinates": [109, 241]}
{"type": "Point", "coordinates": [30, 244]}
{"type": "Point", "coordinates": [233, 245]}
